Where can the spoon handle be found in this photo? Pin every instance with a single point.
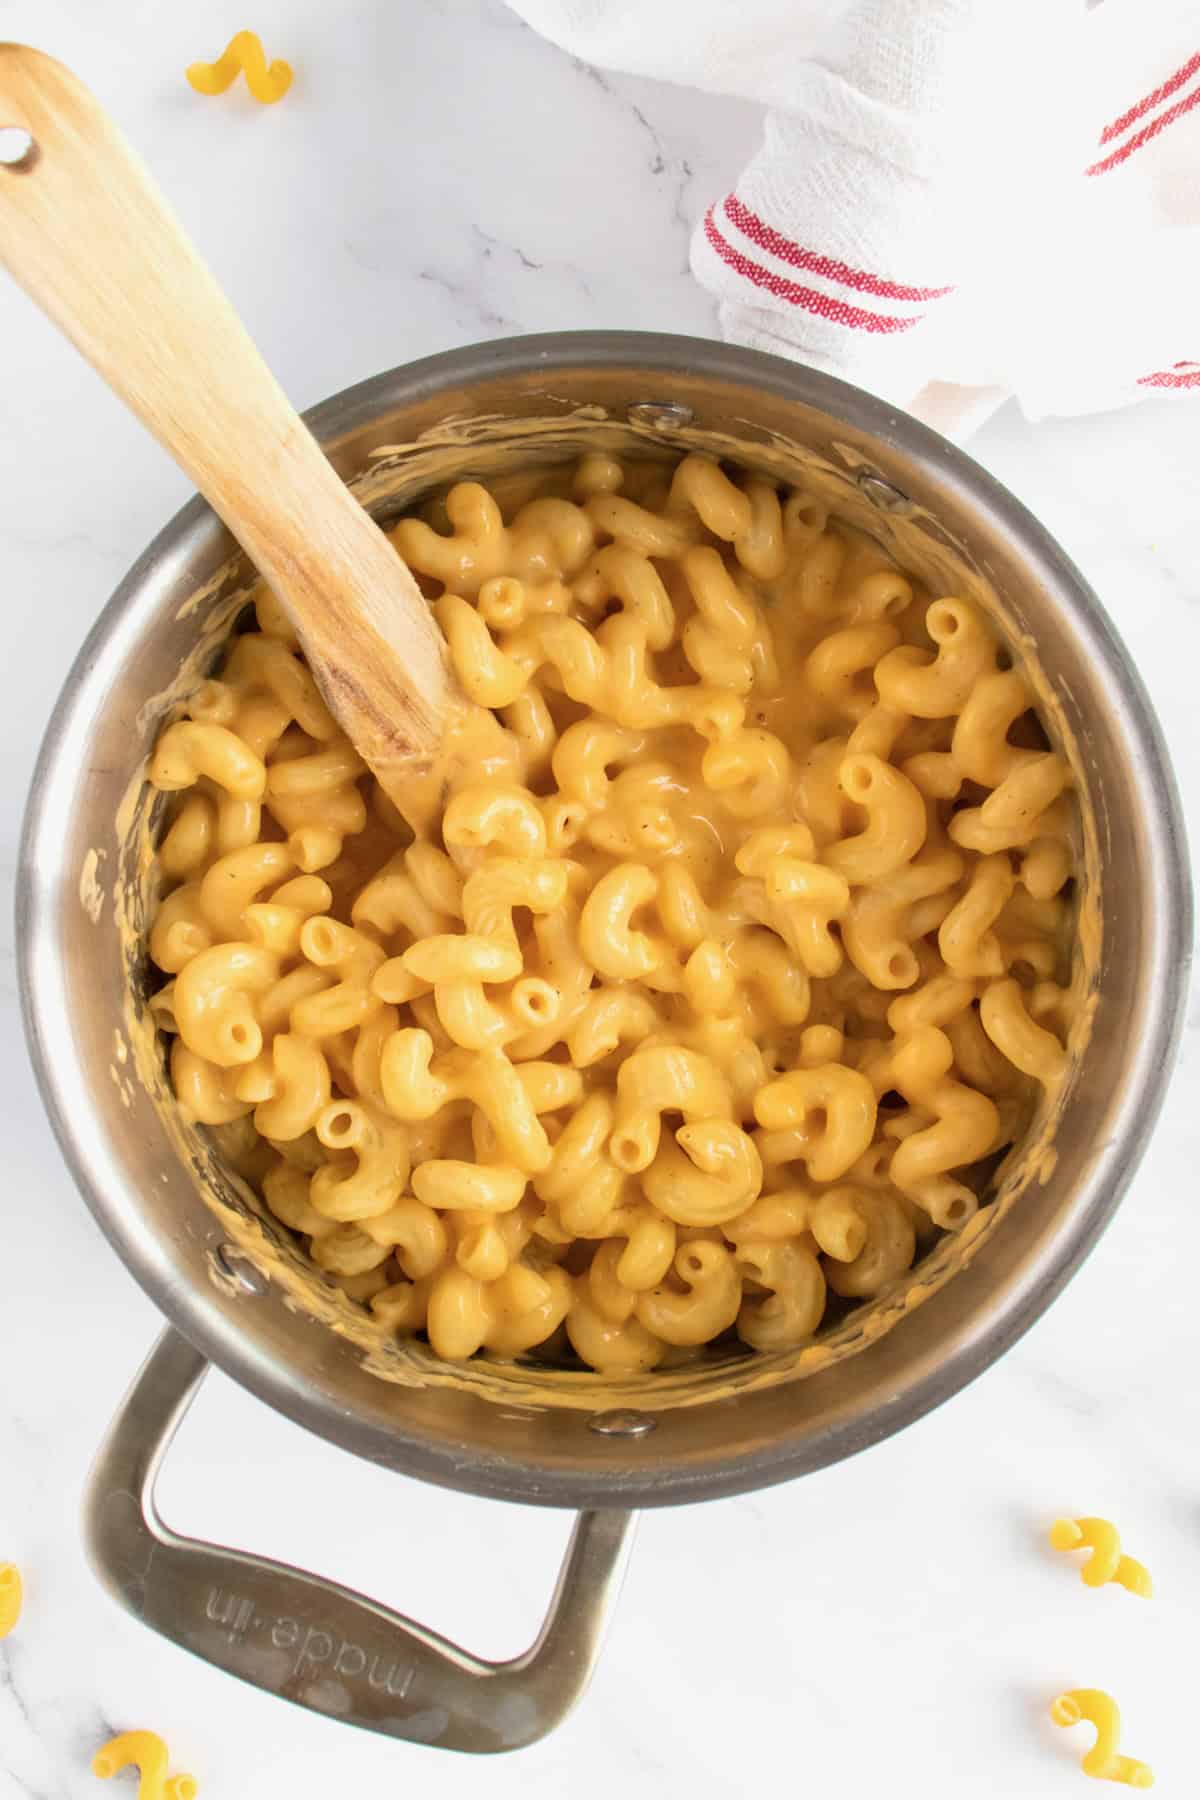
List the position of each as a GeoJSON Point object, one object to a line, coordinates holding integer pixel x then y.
{"type": "Point", "coordinates": [87, 234]}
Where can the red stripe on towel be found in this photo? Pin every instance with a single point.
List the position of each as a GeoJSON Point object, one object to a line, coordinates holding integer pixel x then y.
{"type": "Point", "coordinates": [1147, 132]}
{"type": "Point", "coordinates": [1179, 375]}
{"type": "Point", "coordinates": [767, 238]}
{"type": "Point", "coordinates": [1168, 87]}
{"type": "Point", "coordinates": [824, 305]}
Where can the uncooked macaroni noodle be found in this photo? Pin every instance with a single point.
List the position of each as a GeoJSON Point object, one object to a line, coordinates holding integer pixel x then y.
{"type": "Point", "coordinates": [1106, 1563]}
{"type": "Point", "coordinates": [145, 1751]}
{"type": "Point", "coordinates": [1092, 1706]}
{"type": "Point", "coordinates": [730, 969]}
{"type": "Point", "coordinates": [10, 1597]}
{"type": "Point", "coordinates": [243, 52]}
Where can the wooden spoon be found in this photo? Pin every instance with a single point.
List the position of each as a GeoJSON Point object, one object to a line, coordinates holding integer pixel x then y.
{"type": "Point", "coordinates": [89, 237]}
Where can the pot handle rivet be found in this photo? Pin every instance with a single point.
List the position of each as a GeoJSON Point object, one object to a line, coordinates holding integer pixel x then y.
{"type": "Point", "coordinates": [882, 493]}
{"type": "Point", "coordinates": [660, 415]}
{"type": "Point", "coordinates": [241, 1270]}
{"type": "Point", "coordinates": [622, 1421]}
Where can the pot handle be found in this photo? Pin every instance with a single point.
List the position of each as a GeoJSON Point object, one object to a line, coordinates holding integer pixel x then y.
{"type": "Point", "coordinates": [313, 1641]}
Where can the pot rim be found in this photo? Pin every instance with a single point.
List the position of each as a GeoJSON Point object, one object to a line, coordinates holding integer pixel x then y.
{"type": "Point", "coordinates": [999, 1319]}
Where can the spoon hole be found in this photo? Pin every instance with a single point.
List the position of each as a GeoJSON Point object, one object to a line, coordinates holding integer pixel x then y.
{"type": "Point", "coordinates": [17, 148]}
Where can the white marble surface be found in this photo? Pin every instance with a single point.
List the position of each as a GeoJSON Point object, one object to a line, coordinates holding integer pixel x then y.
{"type": "Point", "coordinates": [894, 1625]}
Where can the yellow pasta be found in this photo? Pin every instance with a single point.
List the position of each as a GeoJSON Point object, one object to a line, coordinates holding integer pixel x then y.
{"type": "Point", "coordinates": [1096, 1708]}
{"type": "Point", "coordinates": [1106, 1562]}
{"type": "Point", "coordinates": [244, 53]}
{"type": "Point", "coordinates": [10, 1597]}
{"type": "Point", "coordinates": [145, 1751]}
{"type": "Point", "coordinates": [720, 981]}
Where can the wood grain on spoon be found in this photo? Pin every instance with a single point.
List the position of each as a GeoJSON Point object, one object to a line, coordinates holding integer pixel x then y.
{"type": "Point", "coordinates": [89, 237]}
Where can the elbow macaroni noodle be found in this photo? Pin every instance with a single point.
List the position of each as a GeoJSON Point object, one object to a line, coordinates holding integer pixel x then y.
{"type": "Point", "coordinates": [146, 1751]}
{"type": "Point", "coordinates": [244, 51]}
{"type": "Point", "coordinates": [1096, 1708]}
{"type": "Point", "coordinates": [10, 1598]}
{"type": "Point", "coordinates": [720, 983]}
{"type": "Point", "coordinates": [1105, 1563]}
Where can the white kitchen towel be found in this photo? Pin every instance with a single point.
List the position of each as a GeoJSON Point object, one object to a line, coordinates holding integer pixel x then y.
{"type": "Point", "coordinates": [956, 200]}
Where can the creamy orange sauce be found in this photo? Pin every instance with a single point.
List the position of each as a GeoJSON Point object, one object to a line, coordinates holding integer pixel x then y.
{"type": "Point", "coordinates": [710, 840]}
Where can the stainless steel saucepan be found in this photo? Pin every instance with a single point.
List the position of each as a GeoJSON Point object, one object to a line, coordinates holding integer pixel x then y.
{"type": "Point", "coordinates": [234, 1289]}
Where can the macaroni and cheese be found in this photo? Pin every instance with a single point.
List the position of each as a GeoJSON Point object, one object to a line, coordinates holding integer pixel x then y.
{"type": "Point", "coordinates": [729, 970]}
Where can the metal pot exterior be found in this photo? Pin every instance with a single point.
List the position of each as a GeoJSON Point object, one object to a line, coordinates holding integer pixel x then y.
{"type": "Point", "coordinates": [77, 972]}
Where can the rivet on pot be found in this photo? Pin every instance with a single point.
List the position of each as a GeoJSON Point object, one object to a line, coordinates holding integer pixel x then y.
{"type": "Point", "coordinates": [239, 1268]}
{"type": "Point", "coordinates": [660, 415]}
{"type": "Point", "coordinates": [622, 1422]}
{"type": "Point", "coordinates": [882, 493]}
